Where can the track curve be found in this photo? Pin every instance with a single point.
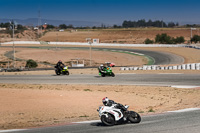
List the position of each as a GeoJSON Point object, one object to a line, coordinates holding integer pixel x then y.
{"type": "Point", "coordinates": [160, 58]}
{"type": "Point", "coordinates": [184, 122]}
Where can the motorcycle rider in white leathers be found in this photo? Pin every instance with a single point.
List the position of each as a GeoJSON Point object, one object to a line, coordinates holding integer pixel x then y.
{"type": "Point", "coordinates": [109, 103]}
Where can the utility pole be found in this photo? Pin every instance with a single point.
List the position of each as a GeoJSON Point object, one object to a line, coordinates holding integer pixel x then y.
{"type": "Point", "coordinates": [90, 53]}
{"type": "Point", "coordinates": [13, 34]}
{"type": "Point", "coordinates": [56, 40]}
{"type": "Point", "coordinates": [39, 24]}
{"type": "Point", "coordinates": [90, 43]}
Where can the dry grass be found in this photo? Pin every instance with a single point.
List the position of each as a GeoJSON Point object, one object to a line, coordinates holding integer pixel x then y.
{"type": "Point", "coordinates": [132, 35]}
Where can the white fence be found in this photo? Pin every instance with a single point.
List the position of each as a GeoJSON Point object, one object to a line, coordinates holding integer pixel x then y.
{"type": "Point", "coordinates": [101, 44]}
{"type": "Point", "coordinates": [94, 44]}
{"type": "Point", "coordinates": [193, 66]}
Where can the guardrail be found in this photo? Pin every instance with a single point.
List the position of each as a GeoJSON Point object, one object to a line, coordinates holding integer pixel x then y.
{"type": "Point", "coordinates": [193, 66]}
{"type": "Point", "coordinates": [95, 44]}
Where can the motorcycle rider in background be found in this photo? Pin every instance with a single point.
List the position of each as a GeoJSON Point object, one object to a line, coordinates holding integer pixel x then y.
{"type": "Point", "coordinates": [60, 65]}
{"type": "Point", "coordinates": [101, 68]}
{"type": "Point", "coordinates": [109, 103]}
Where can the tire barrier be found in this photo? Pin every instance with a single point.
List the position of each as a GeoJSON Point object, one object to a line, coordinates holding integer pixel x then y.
{"type": "Point", "coordinates": [195, 47]}
{"type": "Point", "coordinates": [193, 66]}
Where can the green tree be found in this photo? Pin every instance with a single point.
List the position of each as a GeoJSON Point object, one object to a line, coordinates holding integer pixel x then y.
{"type": "Point", "coordinates": [31, 63]}
{"type": "Point", "coordinates": [163, 39]}
{"type": "Point", "coordinates": [70, 26]}
{"type": "Point", "coordinates": [50, 26]}
{"type": "Point", "coordinates": [178, 40]}
{"type": "Point", "coordinates": [171, 24]}
{"type": "Point", "coordinates": [195, 39]}
{"type": "Point", "coordinates": [63, 26]}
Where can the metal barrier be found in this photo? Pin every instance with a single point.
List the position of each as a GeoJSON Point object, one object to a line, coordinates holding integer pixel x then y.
{"type": "Point", "coordinates": [192, 66]}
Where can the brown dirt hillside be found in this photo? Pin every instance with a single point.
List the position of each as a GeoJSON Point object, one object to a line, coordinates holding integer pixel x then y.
{"type": "Point", "coordinates": [133, 35]}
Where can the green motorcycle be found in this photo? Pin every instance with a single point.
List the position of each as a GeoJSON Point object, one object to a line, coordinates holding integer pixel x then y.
{"type": "Point", "coordinates": [106, 71]}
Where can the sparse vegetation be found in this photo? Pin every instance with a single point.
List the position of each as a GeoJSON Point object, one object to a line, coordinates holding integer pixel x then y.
{"type": "Point", "coordinates": [148, 41]}
{"type": "Point", "coordinates": [84, 116]}
{"type": "Point", "coordinates": [141, 111]}
{"type": "Point", "coordinates": [151, 110]}
{"type": "Point", "coordinates": [31, 63]}
{"type": "Point", "coordinates": [87, 90]}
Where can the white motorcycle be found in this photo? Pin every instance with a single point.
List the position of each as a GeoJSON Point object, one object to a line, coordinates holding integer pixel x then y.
{"type": "Point", "coordinates": [113, 115]}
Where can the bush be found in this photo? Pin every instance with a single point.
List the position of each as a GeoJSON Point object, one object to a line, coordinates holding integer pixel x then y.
{"type": "Point", "coordinates": [31, 63]}
{"type": "Point", "coordinates": [178, 40]}
{"type": "Point", "coordinates": [148, 41]}
{"type": "Point", "coordinates": [195, 39]}
{"type": "Point", "coordinates": [163, 39]}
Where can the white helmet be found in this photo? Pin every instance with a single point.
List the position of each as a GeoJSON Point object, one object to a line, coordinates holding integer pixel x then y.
{"type": "Point", "coordinates": [105, 100]}
{"type": "Point", "coordinates": [101, 65]}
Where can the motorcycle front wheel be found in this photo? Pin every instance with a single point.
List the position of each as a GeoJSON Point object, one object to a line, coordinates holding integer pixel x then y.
{"type": "Point", "coordinates": [65, 72]}
{"type": "Point", "coordinates": [134, 117]}
{"type": "Point", "coordinates": [108, 121]}
{"type": "Point", "coordinates": [112, 74]}
{"type": "Point", "coordinates": [103, 75]}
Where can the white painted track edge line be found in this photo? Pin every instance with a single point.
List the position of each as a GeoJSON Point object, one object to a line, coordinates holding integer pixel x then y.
{"type": "Point", "coordinates": [184, 110]}
{"type": "Point", "coordinates": [12, 130]}
{"type": "Point", "coordinates": [175, 111]}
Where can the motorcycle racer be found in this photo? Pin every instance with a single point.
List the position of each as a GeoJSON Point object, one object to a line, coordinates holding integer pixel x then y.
{"type": "Point", "coordinates": [101, 68]}
{"type": "Point", "coordinates": [60, 65]}
{"type": "Point", "coordinates": [112, 113]}
{"type": "Point", "coordinates": [105, 71]}
{"type": "Point", "coordinates": [109, 103]}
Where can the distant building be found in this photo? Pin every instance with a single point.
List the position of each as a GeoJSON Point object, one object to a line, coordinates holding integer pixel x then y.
{"type": "Point", "coordinates": [2, 28]}
{"type": "Point", "coordinates": [61, 30]}
{"type": "Point", "coordinates": [35, 28]}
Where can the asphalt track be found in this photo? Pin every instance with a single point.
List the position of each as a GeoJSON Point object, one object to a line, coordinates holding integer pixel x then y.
{"type": "Point", "coordinates": [159, 58]}
{"type": "Point", "coordinates": [120, 79]}
{"type": "Point", "coordinates": [183, 122]}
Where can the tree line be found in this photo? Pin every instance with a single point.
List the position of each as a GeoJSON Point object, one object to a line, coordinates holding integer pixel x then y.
{"type": "Point", "coordinates": [8, 26]}
{"type": "Point", "coordinates": [149, 23]}
{"type": "Point", "coordinates": [166, 39]}
{"type": "Point", "coordinates": [125, 24]}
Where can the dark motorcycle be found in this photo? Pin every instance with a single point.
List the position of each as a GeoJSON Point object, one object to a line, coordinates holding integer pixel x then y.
{"type": "Point", "coordinates": [63, 70]}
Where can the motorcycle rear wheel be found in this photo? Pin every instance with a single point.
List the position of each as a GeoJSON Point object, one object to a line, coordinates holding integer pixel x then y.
{"type": "Point", "coordinates": [108, 121]}
{"type": "Point", "coordinates": [57, 72]}
{"type": "Point", "coordinates": [134, 117]}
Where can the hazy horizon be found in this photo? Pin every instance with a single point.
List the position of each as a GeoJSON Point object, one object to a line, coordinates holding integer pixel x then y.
{"type": "Point", "coordinates": [103, 11]}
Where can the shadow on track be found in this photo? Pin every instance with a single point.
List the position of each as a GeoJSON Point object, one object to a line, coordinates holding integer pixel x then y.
{"type": "Point", "coordinates": [98, 124]}
{"type": "Point", "coordinates": [97, 76]}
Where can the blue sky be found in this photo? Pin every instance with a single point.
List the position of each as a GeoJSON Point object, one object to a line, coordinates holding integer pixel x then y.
{"type": "Point", "coordinates": [104, 11]}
